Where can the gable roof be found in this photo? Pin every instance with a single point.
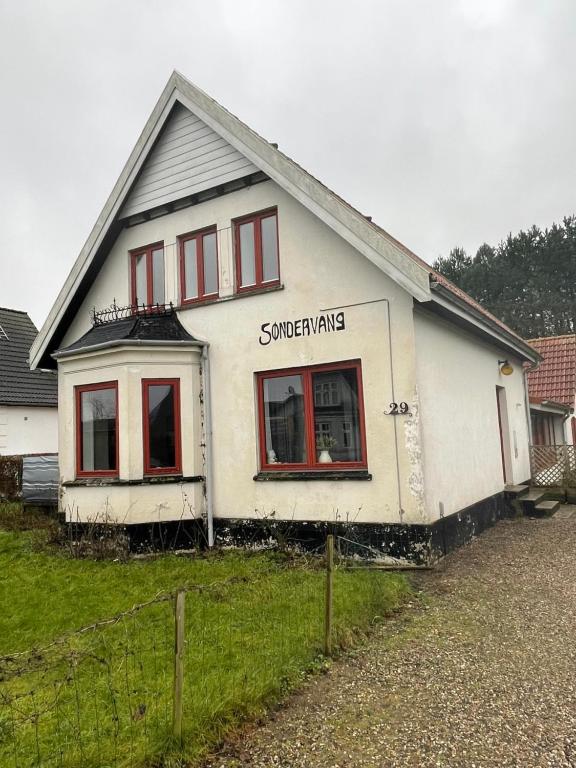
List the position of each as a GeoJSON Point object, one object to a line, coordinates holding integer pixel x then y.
{"type": "Point", "coordinates": [139, 181]}
{"type": "Point", "coordinates": [18, 384]}
{"type": "Point", "coordinates": [555, 378]}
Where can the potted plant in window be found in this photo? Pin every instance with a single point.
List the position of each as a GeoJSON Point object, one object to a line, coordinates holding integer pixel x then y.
{"type": "Point", "coordinates": [323, 445]}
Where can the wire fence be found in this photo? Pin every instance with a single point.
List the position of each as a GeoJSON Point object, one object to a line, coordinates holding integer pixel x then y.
{"type": "Point", "coordinates": [155, 681]}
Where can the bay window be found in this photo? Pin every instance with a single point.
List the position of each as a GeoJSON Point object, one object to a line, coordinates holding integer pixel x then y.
{"type": "Point", "coordinates": [97, 429]}
{"type": "Point", "coordinates": [161, 426]}
{"type": "Point", "coordinates": [256, 249]}
{"type": "Point", "coordinates": [147, 275]}
{"type": "Point", "coordinates": [198, 266]}
{"type": "Point", "coordinates": [312, 418]}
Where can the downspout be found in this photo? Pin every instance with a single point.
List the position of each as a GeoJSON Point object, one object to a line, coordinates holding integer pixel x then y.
{"type": "Point", "coordinates": [391, 359]}
{"type": "Point", "coordinates": [526, 370]}
{"type": "Point", "coordinates": [208, 444]}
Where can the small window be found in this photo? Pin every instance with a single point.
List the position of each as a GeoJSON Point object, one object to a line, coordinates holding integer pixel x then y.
{"type": "Point", "coordinates": [312, 418]}
{"type": "Point", "coordinates": [161, 419]}
{"type": "Point", "coordinates": [198, 266]}
{"type": "Point", "coordinates": [97, 429]}
{"type": "Point", "coordinates": [147, 275]}
{"type": "Point", "coordinates": [256, 243]}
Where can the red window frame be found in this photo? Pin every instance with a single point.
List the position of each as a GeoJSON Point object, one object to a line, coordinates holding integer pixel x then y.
{"type": "Point", "coordinates": [147, 251]}
{"type": "Point", "coordinates": [256, 218]}
{"type": "Point", "coordinates": [307, 372]}
{"type": "Point", "coordinates": [199, 237]}
{"type": "Point", "coordinates": [177, 469]}
{"type": "Point", "coordinates": [78, 390]}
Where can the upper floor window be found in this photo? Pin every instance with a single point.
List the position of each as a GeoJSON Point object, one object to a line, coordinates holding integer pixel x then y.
{"type": "Point", "coordinates": [97, 429]}
{"type": "Point", "coordinates": [147, 274]}
{"type": "Point", "coordinates": [198, 266]}
{"type": "Point", "coordinates": [161, 421]}
{"type": "Point", "coordinates": [256, 247]}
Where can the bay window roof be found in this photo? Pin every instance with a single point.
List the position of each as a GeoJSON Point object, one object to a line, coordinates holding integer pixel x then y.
{"type": "Point", "coordinates": [156, 326]}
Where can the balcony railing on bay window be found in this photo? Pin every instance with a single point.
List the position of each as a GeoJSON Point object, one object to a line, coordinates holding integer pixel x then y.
{"type": "Point", "coordinates": [114, 312]}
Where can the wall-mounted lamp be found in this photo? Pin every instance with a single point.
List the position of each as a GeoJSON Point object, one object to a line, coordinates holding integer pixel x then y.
{"type": "Point", "coordinates": [505, 368]}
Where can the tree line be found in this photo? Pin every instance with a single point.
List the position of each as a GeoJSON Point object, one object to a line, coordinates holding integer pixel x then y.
{"type": "Point", "coordinates": [528, 280]}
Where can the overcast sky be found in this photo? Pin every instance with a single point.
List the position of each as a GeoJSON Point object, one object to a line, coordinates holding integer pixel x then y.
{"type": "Point", "coordinates": [451, 122]}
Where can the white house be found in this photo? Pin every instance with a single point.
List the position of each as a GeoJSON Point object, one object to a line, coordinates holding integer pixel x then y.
{"type": "Point", "coordinates": [312, 369]}
{"type": "Point", "coordinates": [28, 399]}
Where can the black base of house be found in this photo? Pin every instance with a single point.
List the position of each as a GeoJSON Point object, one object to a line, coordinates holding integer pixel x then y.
{"type": "Point", "coordinates": [416, 543]}
{"type": "Point", "coordinates": [141, 537]}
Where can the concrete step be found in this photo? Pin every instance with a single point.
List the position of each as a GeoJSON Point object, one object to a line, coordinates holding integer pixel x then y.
{"type": "Point", "coordinates": [546, 508]}
{"type": "Point", "coordinates": [530, 499]}
{"type": "Point", "coordinates": [516, 491]}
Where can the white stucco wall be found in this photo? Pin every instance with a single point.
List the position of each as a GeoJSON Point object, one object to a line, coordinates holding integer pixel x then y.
{"type": "Point", "coordinates": [318, 271]}
{"type": "Point", "coordinates": [28, 430]}
{"type": "Point", "coordinates": [454, 404]}
{"type": "Point", "coordinates": [457, 380]}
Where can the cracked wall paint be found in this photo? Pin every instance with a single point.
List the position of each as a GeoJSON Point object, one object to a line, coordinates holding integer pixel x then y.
{"type": "Point", "coordinates": [414, 451]}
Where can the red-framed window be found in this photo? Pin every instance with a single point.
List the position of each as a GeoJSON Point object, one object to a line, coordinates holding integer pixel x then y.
{"type": "Point", "coordinates": [147, 274]}
{"type": "Point", "coordinates": [256, 251]}
{"type": "Point", "coordinates": [312, 418]}
{"type": "Point", "coordinates": [198, 266]}
{"type": "Point", "coordinates": [97, 429]}
{"type": "Point", "coordinates": [161, 422]}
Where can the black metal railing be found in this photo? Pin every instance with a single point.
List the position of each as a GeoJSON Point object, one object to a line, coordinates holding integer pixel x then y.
{"type": "Point", "coordinates": [113, 313]}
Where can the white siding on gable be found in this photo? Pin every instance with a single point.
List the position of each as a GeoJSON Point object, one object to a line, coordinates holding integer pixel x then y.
{"type": "Point", "coordinates": [189, 157]}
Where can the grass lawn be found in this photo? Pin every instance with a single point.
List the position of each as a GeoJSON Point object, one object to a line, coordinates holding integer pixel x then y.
{"type": "Point", "coordinates": [104, 697]}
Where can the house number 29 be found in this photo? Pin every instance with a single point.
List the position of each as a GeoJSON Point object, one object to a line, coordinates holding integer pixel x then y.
{"type": "Point", "coordinates": [397, 409]}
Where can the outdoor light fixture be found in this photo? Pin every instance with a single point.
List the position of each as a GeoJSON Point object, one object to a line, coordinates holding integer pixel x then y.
{"type": "Point", "coordinates": [505, 367]}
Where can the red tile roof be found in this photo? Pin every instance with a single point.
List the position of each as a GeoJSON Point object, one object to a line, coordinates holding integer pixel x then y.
{"type": "Point", "coordinates": [555, 379]}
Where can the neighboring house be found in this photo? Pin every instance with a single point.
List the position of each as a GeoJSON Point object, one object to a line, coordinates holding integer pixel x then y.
{"type": "Point", "coordinates": [311, 369]}
{"type": "Point", "coordinates": [552, 388]}
{"type": "Point", "coordinates": [28, 399]}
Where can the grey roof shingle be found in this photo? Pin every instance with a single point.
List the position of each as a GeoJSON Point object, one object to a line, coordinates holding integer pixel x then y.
{"type": "Point", "coordinates": [18, 384]}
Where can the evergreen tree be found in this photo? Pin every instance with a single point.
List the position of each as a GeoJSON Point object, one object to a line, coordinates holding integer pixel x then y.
{"type": "Point", "coordinates": [528, 280]}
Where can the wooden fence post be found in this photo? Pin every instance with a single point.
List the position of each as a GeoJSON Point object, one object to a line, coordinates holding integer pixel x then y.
{"type": "Point", "coordinates": [329, 593]}
{"type": "Point", "coordinates": [179, 620]}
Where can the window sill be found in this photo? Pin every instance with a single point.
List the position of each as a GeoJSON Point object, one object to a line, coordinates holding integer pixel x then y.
{"type": "Point", "coordinates": [238, 295]}
{"type": "Point", "coordinates": [105, 481]}
{"type": "Point", "coordinates": [314, 474]}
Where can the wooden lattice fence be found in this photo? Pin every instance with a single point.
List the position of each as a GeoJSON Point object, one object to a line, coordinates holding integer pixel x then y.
{"type": "Point", "coordinates": [553, 465]}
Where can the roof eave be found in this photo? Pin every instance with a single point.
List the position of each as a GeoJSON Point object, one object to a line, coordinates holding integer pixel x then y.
{"type": "Point", "coordinates": [379, 248]}
{"type": "Point", "coordinates": [442, 296]}
{"type": "Point", "coordinates": [550, 406]}
{"type": "Point", "coordinates": [26, 404]}
{"type": "Point", "coordinates": [178, 343]}
{"type": "Point", "coordinates": [105, 220]}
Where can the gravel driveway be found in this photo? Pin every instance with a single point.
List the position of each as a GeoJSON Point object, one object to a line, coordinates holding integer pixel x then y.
{"type": "Point", "coordinates": [481, 674]}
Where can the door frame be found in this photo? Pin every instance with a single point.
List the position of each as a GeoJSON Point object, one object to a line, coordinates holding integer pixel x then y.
{"type": "Point", "coordinates": [504, 430]}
